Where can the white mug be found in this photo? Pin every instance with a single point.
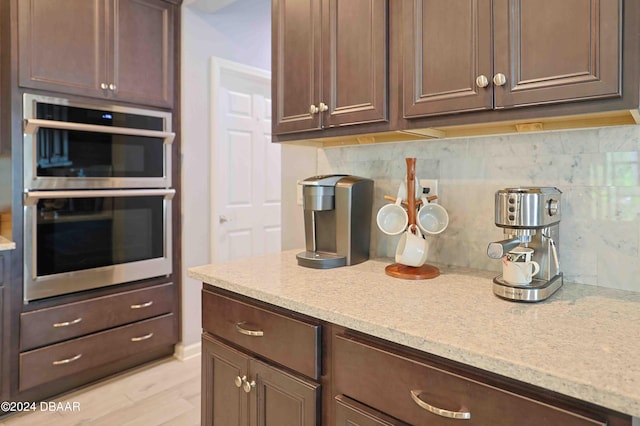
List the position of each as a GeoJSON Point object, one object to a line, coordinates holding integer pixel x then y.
{"type": "Point", "coordinates": [412, 248]}
{"type": "Point", "coordinates": [392, 219]}
{"type": "Point", "coordinates": [519, 273]}
{"type": "Point", "coordinates": [520, 254]}
{"type": "Point", "coordinates": [402, 190]}
{"type": "Point", "coordinates": [432, 218]}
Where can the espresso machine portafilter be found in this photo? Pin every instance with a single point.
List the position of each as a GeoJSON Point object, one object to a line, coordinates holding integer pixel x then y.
{"type": "Point", "coordinates": [530, 217]}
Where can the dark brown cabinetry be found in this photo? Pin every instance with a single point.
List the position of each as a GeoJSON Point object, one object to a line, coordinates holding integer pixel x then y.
{"type": "Point", "coordinates": [468, 55]}
{"type": "Point", "coordinates": [69, 339]}
{"type": "Point", "coordinates": [329, 63]}
{"type": "Point", "coordinates": [114, 49]}
{"type": "Point", "coordinates": [244, 386]}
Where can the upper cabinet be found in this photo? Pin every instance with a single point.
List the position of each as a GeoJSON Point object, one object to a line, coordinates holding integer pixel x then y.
{"type": "Point", "coordinates": [329, 63]}
{"type": "Point", "coordinates": [107, 49]}
{"type": "Point", "coordinates": [471, 55]}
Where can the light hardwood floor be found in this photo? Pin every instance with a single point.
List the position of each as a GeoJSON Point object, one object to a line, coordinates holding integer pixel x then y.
{"type": "Point", "coordinates": [166, 392]}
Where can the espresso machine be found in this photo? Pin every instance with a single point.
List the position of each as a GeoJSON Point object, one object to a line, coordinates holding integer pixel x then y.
{"type": "Point", "coordinates": [337, 220]}
{"type": "Point", "coordinates": [530, 217]}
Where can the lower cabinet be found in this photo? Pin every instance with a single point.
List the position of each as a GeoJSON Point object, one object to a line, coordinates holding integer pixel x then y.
{"type": "Point", "coordinates": [72, 340]}
{"type": "Point", "coordinates": [238, 389]}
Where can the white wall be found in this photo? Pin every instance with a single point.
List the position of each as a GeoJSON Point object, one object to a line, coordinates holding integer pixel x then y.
{"type": "Point", "coordinates": [240, 32]}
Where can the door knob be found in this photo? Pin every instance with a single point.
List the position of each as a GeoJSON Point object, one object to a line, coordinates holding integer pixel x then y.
{"type": "Point", "coordinates": [239, 381]}
{"type": "Point", "coordinates": [224, 219]}
{"type": "Point", "coordinates": [499, 79]}
{"type": "Point", "coordinates": [248, 385]}
{"type": "Point", "coordinates": [482, 81]}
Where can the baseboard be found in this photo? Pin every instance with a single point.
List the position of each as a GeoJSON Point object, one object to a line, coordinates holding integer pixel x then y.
{"type": "Point", "coordinates": [183, 352]}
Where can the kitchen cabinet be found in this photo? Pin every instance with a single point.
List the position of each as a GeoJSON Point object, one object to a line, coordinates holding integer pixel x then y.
{"type": "Point", "coordinates": [116, 49]}
{"type": "Point", "coordinates": [329, 64]}
{"type": "Point", "coordinates": [473, 55]}
{"type": "Point", "coordinates": [60, 342]}
{"type": "Point", "coordinates": [419, 390]}
{"type": "Point", "coordinates": [270, 375]}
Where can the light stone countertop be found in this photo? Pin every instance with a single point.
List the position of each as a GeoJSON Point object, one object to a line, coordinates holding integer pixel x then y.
{"type": "Point", "coordinates": [6, 244]}
{"type": "Point", "coordinates": [583, 341]}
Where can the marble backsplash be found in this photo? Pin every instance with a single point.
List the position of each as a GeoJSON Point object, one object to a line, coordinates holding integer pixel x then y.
{"type": "Point", "coordinates": [597, 170]}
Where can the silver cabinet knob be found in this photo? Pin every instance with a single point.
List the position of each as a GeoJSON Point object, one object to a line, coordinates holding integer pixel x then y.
{"type": "Point", "coordinates": [104, 86]}
{"type": "Point", "coordinates": [239, 381]}
{"type": "Point", "coordinates": [323, 107]}
{"type": "Point", "coordinates": [313, 109]}
{"type": "Point", "coordinates": [112, 87]}
{"type": "Point", "coordinates": [248, 385]}
{"type": "Point", "coordinates": [482, 81]}
{"type": "Point", "coordinates": [499, 79]}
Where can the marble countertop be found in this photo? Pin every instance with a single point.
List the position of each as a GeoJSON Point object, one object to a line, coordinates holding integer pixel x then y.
{"type": "Point", "coordinates": [584, 341]}
{"type": "Point", "coordinates": [6, 244]}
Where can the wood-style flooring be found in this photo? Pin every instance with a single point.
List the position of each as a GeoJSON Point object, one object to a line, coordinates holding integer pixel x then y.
{"type": "Point", "coordinates": [166, 392]}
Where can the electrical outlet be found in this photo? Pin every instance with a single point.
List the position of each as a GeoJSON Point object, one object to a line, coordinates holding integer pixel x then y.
{"type": "Point", "coordinates": [432, 184]}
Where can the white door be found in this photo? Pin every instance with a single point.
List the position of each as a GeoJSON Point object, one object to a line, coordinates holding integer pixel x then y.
{"type": "Point", "coordinates": [245, 165]}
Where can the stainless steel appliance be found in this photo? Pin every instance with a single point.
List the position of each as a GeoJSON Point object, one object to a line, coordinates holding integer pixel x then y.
{"type": "Point", "coordinates": [530, 217]}
{"type": "Point", "coordinates": [337, 220]}
{"type": "Point", "coordinates": [98, 196]}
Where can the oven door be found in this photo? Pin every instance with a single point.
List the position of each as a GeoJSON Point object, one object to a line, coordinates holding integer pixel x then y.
{"type": "Point", "coordinates": [85, 239]}
{"type": "Point", "coordinates": [78, 146]}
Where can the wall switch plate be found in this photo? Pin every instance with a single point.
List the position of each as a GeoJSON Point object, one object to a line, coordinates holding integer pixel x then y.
{"type": "Point", "coordinates": [432, 184]}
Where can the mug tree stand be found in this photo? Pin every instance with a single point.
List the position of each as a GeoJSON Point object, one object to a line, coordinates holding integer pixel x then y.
{"type": "Point", "coordinates": [398, 270]}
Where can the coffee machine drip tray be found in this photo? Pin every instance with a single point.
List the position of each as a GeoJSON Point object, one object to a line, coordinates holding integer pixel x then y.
{"type": "Point", "coordinates": [535, 292]}
{"type": "Point", "coordinates": [319, 260]}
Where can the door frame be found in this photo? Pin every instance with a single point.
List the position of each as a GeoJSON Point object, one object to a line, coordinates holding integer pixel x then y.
{"type": "Point", "coordinates": [218, 66]}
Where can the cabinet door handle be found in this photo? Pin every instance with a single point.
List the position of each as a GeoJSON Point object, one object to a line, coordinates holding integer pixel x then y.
{"type": "Point", "coordinates": [323, 107]}
{"type": "Point", "coordinates": [239, 381]}
{"type": "Point", "coordinates": [68, 360]}
{"type": "Point", "coordinates": [145, 337]}
{"type": "Point", "coordinates": [142, 305]}
{"type": "Point", "coordinates": [67, 323]}
{"type": "Point", "coordinates": [482, 81]}
{"type": "Point", "coordinates": [499, 79]}
{"type": "Point", "coordinates": [247, 332]}
{"type": "Point", "coordinates": [313, 109]}
{"type": "Point", "coordinates": [248, 385]}
{"type": "Point", "coordinates": [461, 415]}
{"type": "Point", "coordinates": [104, 86]}
{"type": "Point", "coordinates": [112, 87]}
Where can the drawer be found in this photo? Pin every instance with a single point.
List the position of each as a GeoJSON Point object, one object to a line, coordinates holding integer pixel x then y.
{"type": "Point", "coordinates": [288, 341]}
{"type": "Point", "coordinates": [51, 325]}
{"type": "Point", "coordinates": [351, 413]}
{"type": "Point", "coordinates": [75, 356]}
{"type": "Point", "coordinates": [419, 394]}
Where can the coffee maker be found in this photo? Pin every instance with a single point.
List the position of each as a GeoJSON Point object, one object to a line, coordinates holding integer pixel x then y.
{"type": "Point", "coordinates": [337, 220]}
{"type": "Point", "coordinates": [530, 217]}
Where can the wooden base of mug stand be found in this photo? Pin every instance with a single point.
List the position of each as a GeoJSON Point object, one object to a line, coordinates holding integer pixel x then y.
{"type": "Point", "coordinates": [423, 272]}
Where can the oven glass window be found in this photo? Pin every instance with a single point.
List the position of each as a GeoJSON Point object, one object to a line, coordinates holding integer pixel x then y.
{"type": "Point", "coordinates": [71, 153]}
{"type": "Point", "coordinates": [82, 233]}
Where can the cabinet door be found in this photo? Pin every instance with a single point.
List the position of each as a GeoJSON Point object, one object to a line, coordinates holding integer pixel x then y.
{"type": "Point", "coordinates": [143, 51]}
{"type": "Point", "coordinates": [557, 51]}
{"type": "Point", "coordinates": [296, 65]}
{"type": "Point", "coordinates": [282, 399]}
{"type": "Point", "coordinates": [61, 45]}
{"type": "Point", "coordinates": [447, 46]}
{"type": "Point", "coordinates": [355, 62]}
{"type": "Point", "coordinates": [223, 403]}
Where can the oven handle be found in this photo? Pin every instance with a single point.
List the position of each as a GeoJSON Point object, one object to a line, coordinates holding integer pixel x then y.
{"type": "Point", "coordinates": [31, 126]}
{"type": "Point", "coordinates": [32, 197]}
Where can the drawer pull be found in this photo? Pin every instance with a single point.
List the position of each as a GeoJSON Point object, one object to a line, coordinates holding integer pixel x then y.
{"type": "Point", "coordinates": [438, 411]}
{"type": "Point", "coordinates": [247, 332]}
{"type": "Point", "coordinates": [67, 323]}
{"type": "Point", "coordinates": [142, 305]}
{"type": "Point", "coordinates": [68, 360]}
{"type": "Point", "coordinates": [145, 337]}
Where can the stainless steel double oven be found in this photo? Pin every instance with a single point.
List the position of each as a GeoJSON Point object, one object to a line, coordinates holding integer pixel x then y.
{"type": "Point", "coordinates": [97, 195]}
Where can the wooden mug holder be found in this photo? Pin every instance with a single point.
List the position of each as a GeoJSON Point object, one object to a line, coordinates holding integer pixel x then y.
{"type": "Point", "coordinates": [398, 270]}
